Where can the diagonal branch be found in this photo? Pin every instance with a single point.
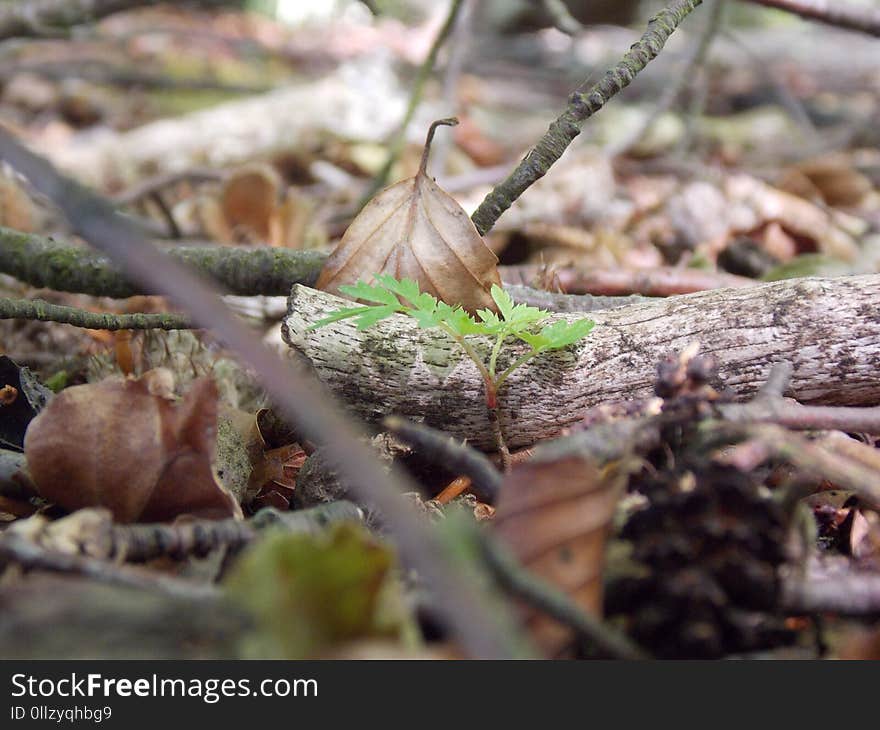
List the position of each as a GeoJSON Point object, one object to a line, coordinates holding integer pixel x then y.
{"type": "Point", "coordinates": [841, 15]}
{"type": "Point", "coordinates": [583, 103]}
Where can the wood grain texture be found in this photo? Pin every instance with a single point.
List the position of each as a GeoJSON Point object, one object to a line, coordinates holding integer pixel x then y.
{"type": "Point", "coordinates": [829, 328]}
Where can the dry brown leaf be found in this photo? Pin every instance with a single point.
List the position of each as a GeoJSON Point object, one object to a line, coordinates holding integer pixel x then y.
{"type": "Point", "coordinates": [126, 445]}
{"type": "Point", "coordinates": [250, 196]}
{"type": "Point", "coordinates": [555, 517]}
{"type": "Point", "coordinates": [832, 179]}
{"type": "Point", "coordinates": [796, 215]}
{"type": "Point", "coordinates": [17, 210]}
{"type": "Point", "coordinates": [481, 148]}
{"type": "Point", "coordinates": [289, 221]}
{"type": "Point", "coordinates": [414, 230]}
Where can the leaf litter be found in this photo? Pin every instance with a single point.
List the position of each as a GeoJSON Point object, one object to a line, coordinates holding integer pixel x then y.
{"type": "Point", "coordinates": [693, 528]}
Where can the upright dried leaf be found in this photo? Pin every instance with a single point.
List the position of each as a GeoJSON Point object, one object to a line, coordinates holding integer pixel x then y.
{"type": "Point", "coordinates": [555, 517]}
{"type": "Point", "coordinates": [414, 230]}
{"type": "Point", "coordinates": [127, 446]}
{"type": "Point", "coordinates": [249, 199]}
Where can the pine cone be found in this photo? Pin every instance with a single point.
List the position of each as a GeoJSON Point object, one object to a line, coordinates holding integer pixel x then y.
{"type": "Point", "coordinates": [711, 540]}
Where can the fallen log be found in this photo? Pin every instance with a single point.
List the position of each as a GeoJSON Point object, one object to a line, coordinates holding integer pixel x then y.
{"type": "Point", "coordinates": [829, 328]}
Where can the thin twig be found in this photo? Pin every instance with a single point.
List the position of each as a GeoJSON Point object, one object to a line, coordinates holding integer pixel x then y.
{"type": "Point", "coordinates": [777, 381]}
{"type": "Point", "coordinates": [31, 556]}
{"type": "Point", "coordinates": [457, 46]}
{"type": "Point", "coordinates": [692, 64]}
{"type": "Point", "coordinates": [583, 103]}
{"type": "Point", "coordinates": [808, 456]}
{"type": "Point", "coordinates": [562, 17]}
{"type": "Point", "coordinates": [139, 543]}
{"type": "Point", "coordinates": [455, 456]}
{"type": "Point", "coordinates": [839, 14]}
{"type": "Point", "coordinates": [160, 182]}
{"type": "Point", "coordinates": [43, 311]}
{"type": "Point", "coordinates": [166, 213]}
{"type": "Point", "coordinates": [460, 601]}
{"type": "Point", "coordinates": [268, 271]}
{"type": "Point", "coordinates": [556, 604]}
{"type": "Point", "coordinates": [415, 99]}
{"type": "Point", "coordinates": [768, 406]}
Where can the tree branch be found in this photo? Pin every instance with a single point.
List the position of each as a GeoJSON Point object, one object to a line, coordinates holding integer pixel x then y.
{"type": "Point", "coordinates": [583, 103]}
{"type": "Point", "coordinates": [396, 367]}
{"type": "Point", "coordinates": [143, 542]}
{"type": "Point", "coordinates": [29, 555]}
{"type": "Point", "coordinates": [550, 600]}
{"type": "Point", "coordinates": [244, 270]}
{"type": "Point", "coordinates": [250, 270]}
{"type": "Point", "coordinates": [43, 311]}
{"type": "Point", "coordinates": [454, 455]}
{"type": "Point", "coordinates": [841, 15]}
{"type": "Point", "coordinates": [35, 18]}
{"type": "Point", "coordinates": [695, 60]}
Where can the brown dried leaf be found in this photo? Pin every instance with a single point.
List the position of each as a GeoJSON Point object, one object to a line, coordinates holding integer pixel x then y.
{"type": "Point", "coordinates": [832, 179]}
{"type": "Point", "coordinates": [555, 517]}
{"type": "Point", "coordinates": [17, 210]}
{"type": "Point", "coordinates": [127, 446]}
{"type": "Point", "coordinates": [289, 221]}
{"type": "Point", "coordinates": [249, 199]}
{"type": "Point", "coordinates": [415, 230]}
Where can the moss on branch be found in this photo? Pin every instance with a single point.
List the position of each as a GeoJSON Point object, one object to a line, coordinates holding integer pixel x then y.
{"type": "Point", "coordinates": [43, 311]}
{"type": "Point", "coordinates": [583, 103]}
{"type": "Point", "coordinates": [42, 262]}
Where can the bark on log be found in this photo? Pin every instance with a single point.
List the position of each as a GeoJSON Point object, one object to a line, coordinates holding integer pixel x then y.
{"type": "Point", "coordinates": [829, 328]}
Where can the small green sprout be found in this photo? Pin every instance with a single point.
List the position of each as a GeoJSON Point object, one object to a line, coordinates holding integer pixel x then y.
{"type": "Point", "coordinates": [389, 296]}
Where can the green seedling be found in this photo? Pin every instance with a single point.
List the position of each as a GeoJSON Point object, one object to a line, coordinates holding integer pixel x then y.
{"type": "Point", "coordinates": [389, 296]}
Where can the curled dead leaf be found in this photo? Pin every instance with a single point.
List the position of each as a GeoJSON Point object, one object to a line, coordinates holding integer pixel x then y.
{"type": "Point", "coordinates": [555, 517]}
{"type": "Point", "coordinates": [415, 230]}
{"type": "Point", "coordinates": [126, 445]}
{"type": "Point", "coordinates": [249, 198]}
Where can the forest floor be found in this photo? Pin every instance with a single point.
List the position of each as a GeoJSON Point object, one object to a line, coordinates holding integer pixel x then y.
{"type": "Point", "coordinates": [695, 474]}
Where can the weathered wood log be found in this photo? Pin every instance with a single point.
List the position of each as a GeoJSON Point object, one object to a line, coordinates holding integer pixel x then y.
{"type": "Point", "coordinates": [829, 328]}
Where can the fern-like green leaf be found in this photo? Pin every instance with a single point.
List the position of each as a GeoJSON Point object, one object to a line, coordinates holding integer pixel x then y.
{"type": "Point", "coordinates": [503, 300]}
{"type": "Point", "coordinates": [338, 315]}
{"type": "Point", "coordinates": [374, 314]}
{"type": "Point", "coordinates": [370, 293]}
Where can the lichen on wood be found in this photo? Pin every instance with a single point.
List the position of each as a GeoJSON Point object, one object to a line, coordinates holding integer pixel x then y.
{"type": "Point", "coordinates": [397, 368]}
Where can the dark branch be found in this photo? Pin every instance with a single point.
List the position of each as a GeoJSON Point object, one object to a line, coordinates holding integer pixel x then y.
{"type": "Point", "coordinates": [841, 15]}
{"type": "Point", "coordinates": [441, 448]}
{"type": "Point", "coordinates": [549, 599]}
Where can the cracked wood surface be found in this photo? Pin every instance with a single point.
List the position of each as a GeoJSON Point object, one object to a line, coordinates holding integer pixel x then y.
{"type": "Point", "coordinates": [829, 328]}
